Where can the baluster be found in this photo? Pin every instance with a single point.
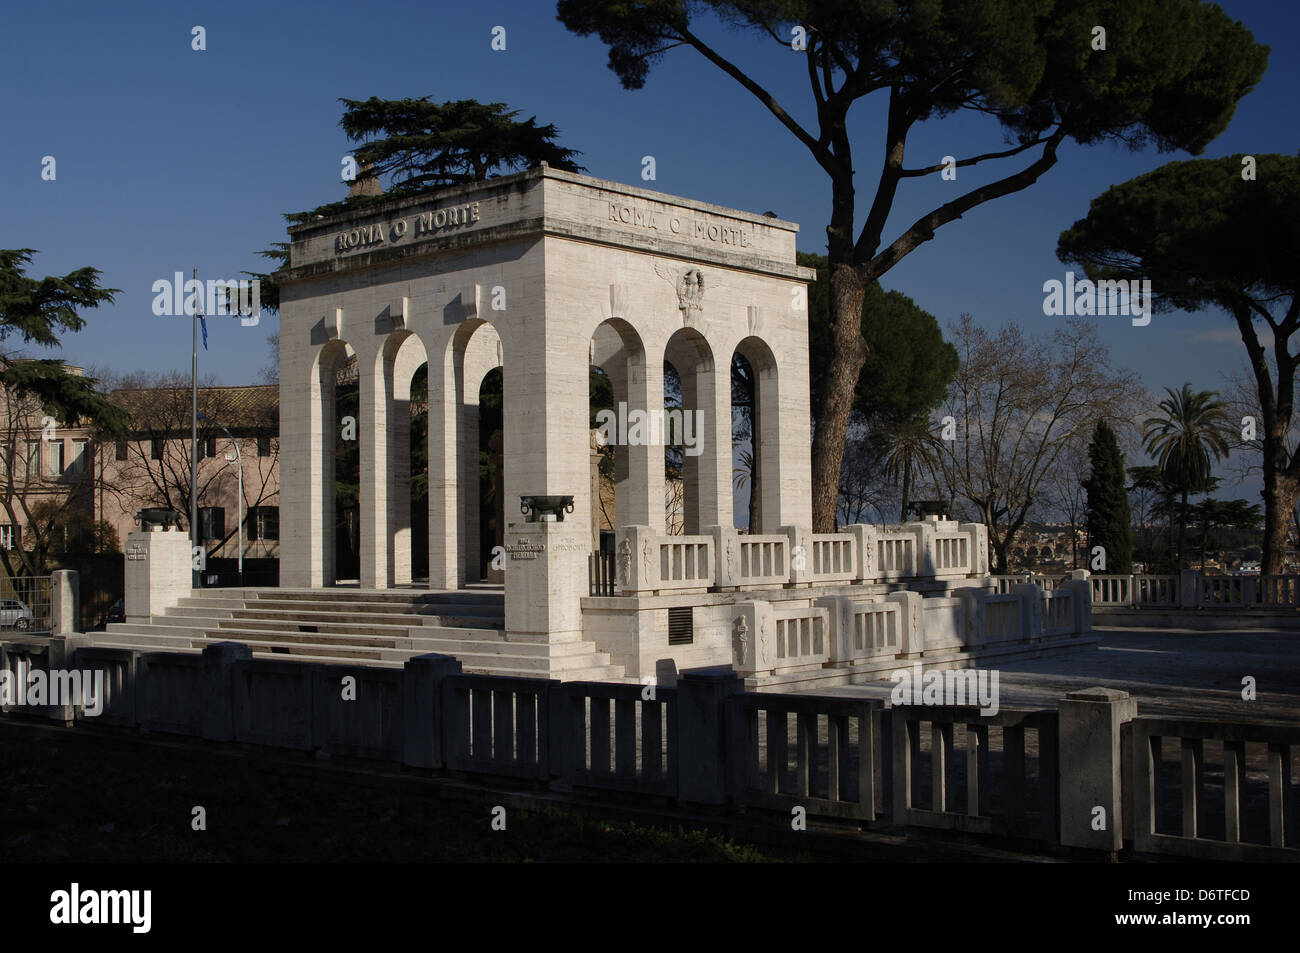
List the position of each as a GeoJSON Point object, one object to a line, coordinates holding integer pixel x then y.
{"type": "Point", "coordinates": [1193, 757]}
{"type": "Point", "coordinates": [776, 749]}
{"type": "Point", "coordinates": [1279, 793]}
{"type": "Point", "coordinates": [1234, 786]}
{"type": "Point", "coordinates": [600, 737]}
{"type": "Point", "coordinates": [940, 749]}
{"type": "Point", "coordinates": [482, 712]}
{"type": "Point", "coordinates": [503, 725]}
{"type": "Point", "coordinates": [625, 737]}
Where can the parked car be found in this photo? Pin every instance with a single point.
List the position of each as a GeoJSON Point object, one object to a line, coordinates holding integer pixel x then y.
{"type": "Point", "coordinates": [15, 613]}
{"type": "Point", "coordinates": [116, 613]}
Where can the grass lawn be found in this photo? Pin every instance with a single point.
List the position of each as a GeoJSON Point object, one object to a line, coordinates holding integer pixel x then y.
{"type": "Point", "coordinates": [73, 799]}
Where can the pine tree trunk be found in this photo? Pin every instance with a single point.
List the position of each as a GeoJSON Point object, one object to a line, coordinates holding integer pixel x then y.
{"type": "Point", "coordinates": [1279, 506]}
{"type": "Point", "coordinates": [1280, 494]}
{"type": "Point", "coordinates": [849, 354]}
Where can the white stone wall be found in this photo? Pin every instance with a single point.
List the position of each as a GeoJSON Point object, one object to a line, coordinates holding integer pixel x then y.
{"type": "Point", "coordinates": [522, 271]}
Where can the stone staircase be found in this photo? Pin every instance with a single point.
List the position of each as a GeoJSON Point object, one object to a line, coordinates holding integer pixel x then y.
{"type": "Point", "coordinates": [382, 627]}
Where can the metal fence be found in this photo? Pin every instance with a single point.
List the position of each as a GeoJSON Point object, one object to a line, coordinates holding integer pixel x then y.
{"type": "Point", "coordinates": [25, 604]}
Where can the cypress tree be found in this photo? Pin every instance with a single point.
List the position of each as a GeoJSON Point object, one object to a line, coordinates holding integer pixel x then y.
{"type": "Point", "coordinates": [1109, 523]}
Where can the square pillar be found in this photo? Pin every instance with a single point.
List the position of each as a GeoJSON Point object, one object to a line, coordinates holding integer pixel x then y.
{"type": "Point", "coordinates": [444, 478]}
{"type": "Point", "coordinates": [372, 431]}
{"type": "Point", "coordinates": [753, 638]}
{"type": "Point", "coordinates": [706, 420]}
{"type": "Point", "coordinates": [399, 494]}
{"type": "Point", "coordinates": [1091, 796]}
{"type": "Point", "coordinates": [546, 413]}
{"type": "Point", "coordinates": [639, 469]}
{"type": "Point", "coordinates": [865, 540]}
{"type": "Point", "coordinates": [911, 629]}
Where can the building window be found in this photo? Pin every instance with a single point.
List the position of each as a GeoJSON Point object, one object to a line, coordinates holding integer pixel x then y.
{"type": "Point", "coordinates": [212, 522]}
{"type": "Point", "coordinates": [264, 523]}
{"type": "Point", "coordinates": [156, 448]}
{"type": "Point", "coordinates": [79, 457]}
{"type": "Point", "coordinates": [263, 445]}
{"type": "Point", "coordinates": [33, 459]}
{"type": "Point", "coordinates": [9, 536]}
{"type": "Point", "coordinates": [54, 459]}
{"type": "Point", "coordinates": [121, 448]}
{"type": "Point", "coordinates": [208, 448]}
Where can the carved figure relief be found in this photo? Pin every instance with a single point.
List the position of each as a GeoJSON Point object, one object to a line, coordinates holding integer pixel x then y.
{"type": "Point", "coordinates": [625, 562]}
{"type": "Point", "coordinates": [741, 640]}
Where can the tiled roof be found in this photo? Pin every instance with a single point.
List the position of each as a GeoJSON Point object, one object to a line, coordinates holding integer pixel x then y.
{"type": "Point", "coordinates": [255, 407]}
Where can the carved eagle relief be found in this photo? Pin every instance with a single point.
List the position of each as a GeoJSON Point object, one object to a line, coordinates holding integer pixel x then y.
{"type": "Point", "coordinates": [689, 285]}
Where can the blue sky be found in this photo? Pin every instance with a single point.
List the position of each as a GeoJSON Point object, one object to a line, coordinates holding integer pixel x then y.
{"type": "Point", "coordinates": [168, 158]}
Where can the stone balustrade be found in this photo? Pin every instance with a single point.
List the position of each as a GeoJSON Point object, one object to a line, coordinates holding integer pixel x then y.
{"type": "Point", "coordinates": [707, 741]}
{"type": "Point", "coordinates": [649, 561]}
{"type": "Point", "coordinates": [774, 639]}
{"type": "Point", "coordinates": [1192, 589]}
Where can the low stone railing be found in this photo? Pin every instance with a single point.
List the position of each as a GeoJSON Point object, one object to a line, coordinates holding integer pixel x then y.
{"type": "Point", "coordinates": [902, 625]}
{"type": "Point", "coordinates": [896, 554]}
{"type": "Point", "coordinates": [777, 638]}
{"type": "Point", "coordinates": [1193, 590]}
{"type": "Point", "coordinates": [707, 741]}
{"type": "Point", "coordinates": [866, 629]}
{"type": "Point", "coordinates": [1059, 610]}
{"type": "Point", "coordinates": [649, 561]}
{"type": "Point", "coordinates": [685, 562]}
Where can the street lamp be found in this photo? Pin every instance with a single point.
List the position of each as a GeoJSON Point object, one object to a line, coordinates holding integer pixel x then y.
{"type": "Point", "coordinates": [237, 461]}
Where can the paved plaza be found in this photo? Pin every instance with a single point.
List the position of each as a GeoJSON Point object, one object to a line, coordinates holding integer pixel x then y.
{"type": "Point", "coordinates": [1171, 672]}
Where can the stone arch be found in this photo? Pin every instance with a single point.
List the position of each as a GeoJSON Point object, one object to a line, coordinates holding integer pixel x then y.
{"type": "Point", "coordinates": [324, 428]}
{"type": "Point", "coordinates": [471, 352]}
{"type": "Point", "coordinates": [705, 462]}
{"type": "Point", "coordinates": [617, 349]}
{"type": "Point", "coordinates": [765, 479]}
{"type": "Point", "coordinates": [396, 364]}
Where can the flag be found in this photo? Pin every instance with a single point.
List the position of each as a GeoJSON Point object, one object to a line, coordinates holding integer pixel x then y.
{"type": "Point", "coordinates": [204, 325]}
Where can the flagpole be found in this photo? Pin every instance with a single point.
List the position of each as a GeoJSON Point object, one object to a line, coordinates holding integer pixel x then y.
{"type": "Point", "coordinates": [194, 428]}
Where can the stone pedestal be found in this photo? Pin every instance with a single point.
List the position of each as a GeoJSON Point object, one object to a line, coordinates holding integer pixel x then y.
{"type": "Point", "coordinates": [546, 578]}
{"type": "Point", "coordinates": [65, 602]}
{"type": "Point", "coordinates": [911, 631]}
{"type": "Point", "coordinates": [702, 695]}
{"type": "Point", "coordinates": [801, 558]}
{"type": "Point", "coordinates": [158, 572]}
{"type": "Point", "coordinates": [1091, 801]}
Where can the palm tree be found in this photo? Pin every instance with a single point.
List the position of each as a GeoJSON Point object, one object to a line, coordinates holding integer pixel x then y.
{"type": "Point", "coordinates": [746, 474]}
{"type": "Point", "coordinates": [909, 447]}
{"type": "Point", "coordinates": [1193, 427]}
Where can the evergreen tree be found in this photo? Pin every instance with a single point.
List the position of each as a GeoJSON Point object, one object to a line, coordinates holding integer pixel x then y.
{"type": "Point", "coordinates": [1171, 76]}
{"type": "Point", "coordinates": [1109, 525]}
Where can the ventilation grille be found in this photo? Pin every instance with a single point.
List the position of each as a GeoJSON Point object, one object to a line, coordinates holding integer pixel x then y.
{"type": "Point", "coordinates": [681, 626]}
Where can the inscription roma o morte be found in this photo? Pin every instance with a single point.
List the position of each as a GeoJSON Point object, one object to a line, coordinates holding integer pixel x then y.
{"type": "Point", "coordinates": [430, 223]}
{"type": "Point", "coordinates": [698, 229]}
{"type": "Point", "coordinates": [422, 224]}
